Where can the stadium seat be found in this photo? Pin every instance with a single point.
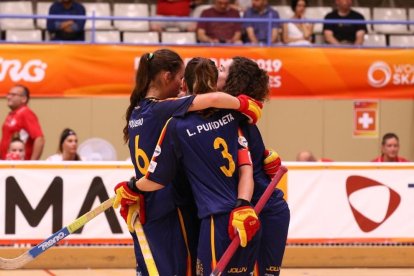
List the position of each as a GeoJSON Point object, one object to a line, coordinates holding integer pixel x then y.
{"type": "Point", "coordinates": [402, 41]}
{"type": "Point", "coordinates": [24, 35]}
{"type": "Point", "coordinates": [411, 17]}
{"type": "Point", "coordinates": [317, 13]}
{"type": "Point", "coordinates": [141, 37]}
{"type": "Point", "coordinates": [366, 12]}
{"type": "Point", "coordinates": [285, 12]}
{"type": "Point", "coordinates": [131, 10]}
{"type": "Point", "coordinates": [153, 10]}
{"type": "Point", "coordinates": [16, 7]}
{"type": "Point", "coordinates": [104, 36]}
{"type": "Point", "coordinates": [100, 9]}
{"type": "Point", "coordinates": [42, 8]}
{"type": "Point", "coordinates": [178, 37]}
{"type": "Point", "coordinates": [390, 14]}
{"type": "Point", "coordinates": [377, 40]}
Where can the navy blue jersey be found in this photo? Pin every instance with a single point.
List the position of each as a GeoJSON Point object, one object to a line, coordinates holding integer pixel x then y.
{"type": "Point", "coordinates": [145, 125]}
{"type": "Point", "coordinates": [207, 149]}
{"type": "Point", "coordinates": [261, 180]}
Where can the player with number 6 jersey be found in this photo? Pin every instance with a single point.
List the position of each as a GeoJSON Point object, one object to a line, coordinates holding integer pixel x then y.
{"type": "Point", "coordinates": [207, 145]}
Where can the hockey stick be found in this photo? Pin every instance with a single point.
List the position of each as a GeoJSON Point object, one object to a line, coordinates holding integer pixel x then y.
{"type": "Point", "coordinates": [228, 254]}
{"type": "Point", "coordinates": [145, 249]}
{"type": "Point", "coordinates": [35, 251]}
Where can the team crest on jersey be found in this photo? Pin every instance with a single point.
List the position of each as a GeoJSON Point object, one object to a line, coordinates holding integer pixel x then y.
{"type": "Point", "coordinates": [152, 166]}
{"type": "Point", "coordinates": [243, 142]}
{"type": "Point", "coordinates": [157, 151]}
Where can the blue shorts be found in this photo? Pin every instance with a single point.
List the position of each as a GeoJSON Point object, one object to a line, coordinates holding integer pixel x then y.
{"type": "Point", "coordinates": [213, 242]}
{"type": "Point", "coordinates": [275, 225]}
{"type": "Point", "coordinates": [167, 245]}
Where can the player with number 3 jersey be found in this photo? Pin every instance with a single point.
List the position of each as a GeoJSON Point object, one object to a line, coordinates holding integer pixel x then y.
{"type": "Point", "coordinates": [159, 78]}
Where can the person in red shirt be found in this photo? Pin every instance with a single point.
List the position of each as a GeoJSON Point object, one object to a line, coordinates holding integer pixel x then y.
{"type": "Point", "coordinates": [175, 8]}
{"type": "Point", "coordinates": [390, 147]}
{"type": "Point", "coordinates": [219, 32]}
{"type": "Point", "coordinates": [22, 123]}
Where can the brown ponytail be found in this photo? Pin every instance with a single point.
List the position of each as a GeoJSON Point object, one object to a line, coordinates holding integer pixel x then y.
{"type": "Point", "coordinates": [201, 75]}
{"type": "Point", "coordinates": [150, 65]}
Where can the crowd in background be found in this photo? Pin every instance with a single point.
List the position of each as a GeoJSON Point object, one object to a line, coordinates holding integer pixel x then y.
{"type": "Point", "coordinates": [294, 33]}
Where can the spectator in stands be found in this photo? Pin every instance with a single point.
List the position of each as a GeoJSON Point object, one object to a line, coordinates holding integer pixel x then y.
{"type": "Point", "coordinates": [298, 33]}
{"type": "Point", "coordinates": [307, 156]}
{"type": "Point", "coordinates": [344, 33]}
{"type": "Point", "coordinates": [390, 147]}
{"type": "Point", "coordinates": [16, 150]}
{"type": "Point", "coordinates": [22, 123]}
{"type": "Point", "coordinates": [66, 29]}
{"type": "Point", "coordinates": [220, 32]}
{"type": "Point", "coordinates": [258, 32]}
{"type": "Point", "coordinates": [68, 146]}
{"type": "Point", "coordinates": [180, 8]}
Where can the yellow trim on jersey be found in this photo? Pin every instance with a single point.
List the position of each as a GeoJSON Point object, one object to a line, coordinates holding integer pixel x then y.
{"type": "Point", "coordinates": [159, 142]}
{"type": "Point", "coordinates": [182, 225]}
{"type": "Point", "coordinates": [212, 244]}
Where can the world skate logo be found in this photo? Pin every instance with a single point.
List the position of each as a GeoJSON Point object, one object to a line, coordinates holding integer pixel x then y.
{"type": "Point", "coordinates": [33, 70]}
{"type": "Point", "coordinates": [368, 212]}
{"type": "Point", "coordinates": [381, 74]}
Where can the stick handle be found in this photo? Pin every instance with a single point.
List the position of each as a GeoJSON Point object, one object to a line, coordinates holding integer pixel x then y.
{"type": "Point", "coordinates": [146, 250]}
{"type": "Point", "coordinates": [228, 254]}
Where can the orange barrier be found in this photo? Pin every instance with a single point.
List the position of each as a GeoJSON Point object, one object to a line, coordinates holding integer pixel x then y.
{"type": "Point", "coordinates": [108, 70]}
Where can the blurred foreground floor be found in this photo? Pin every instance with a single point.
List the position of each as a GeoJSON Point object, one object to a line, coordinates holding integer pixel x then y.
{"type": "Point", "coordinates": [285, 272]}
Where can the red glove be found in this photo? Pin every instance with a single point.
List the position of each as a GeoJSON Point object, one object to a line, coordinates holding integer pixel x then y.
{"type": "Point", "coordinates": [132, 203]}
{"type": "Point", "coordinates": [243, 221]}
{"type": "Point", "coordinates": [250, 108]}
{"type": "Point", "coordinates": [271, 162]}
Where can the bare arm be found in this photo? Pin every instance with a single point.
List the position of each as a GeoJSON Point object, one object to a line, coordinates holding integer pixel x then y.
{"type": "Point", "coordinates": [246, 183]}
{"type": "Point", "coordinates": [216, 99]}
{"type": "Point", "coordinates": [307, 30]}
{"type": "Point", "coordinates": [236, 37]}
{"type": "Point", "coordinates": [359, 37]}
{"type": "Point", "coordinates": [202, 37]}
{"type": "Point", "coordinates": [38, 144]}
{"type": "Point", "coordinates": [329, 37]}
{"type": "Point", "coordinates": [251, 35]}
{"type": "Point", "coordinates": [147, 185]}
{"type": "Point", "coordinates": [275, 35]}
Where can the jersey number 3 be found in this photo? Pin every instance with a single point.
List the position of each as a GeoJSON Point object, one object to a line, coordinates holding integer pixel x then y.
{"type": "Point", "coordinates": [220, 143]}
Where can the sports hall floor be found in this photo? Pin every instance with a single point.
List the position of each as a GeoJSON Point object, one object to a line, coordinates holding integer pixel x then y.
{"type": "Point", "coordinates": [285, 272]}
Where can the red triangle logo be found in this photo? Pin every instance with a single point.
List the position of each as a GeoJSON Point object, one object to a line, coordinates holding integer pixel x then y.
{"type": "Point", "coordinates": [355, 183]}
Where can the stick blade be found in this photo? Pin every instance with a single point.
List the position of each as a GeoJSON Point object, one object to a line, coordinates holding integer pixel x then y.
{"type": "Point", "coordinates": [15, 263]}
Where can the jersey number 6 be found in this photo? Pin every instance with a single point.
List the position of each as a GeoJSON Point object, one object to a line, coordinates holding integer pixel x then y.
{"type": "Point", "coordinates": [140, 154]}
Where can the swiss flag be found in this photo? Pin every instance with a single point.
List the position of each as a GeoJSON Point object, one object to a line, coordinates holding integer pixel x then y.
{"type": "Point", "coordinates": [355, 183]}
{"type": "Point", "coordinates": [365, 120]}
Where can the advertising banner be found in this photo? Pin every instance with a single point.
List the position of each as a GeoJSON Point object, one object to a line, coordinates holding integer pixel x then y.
{"type": "Point", "coordinates": [38, 199]}
{"type": "Point", "coordinates": [109, 70]}
{"type": "Point", "coordinates": [330, 202]}
{"type": "Point", "coordinates": [351, 202]}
